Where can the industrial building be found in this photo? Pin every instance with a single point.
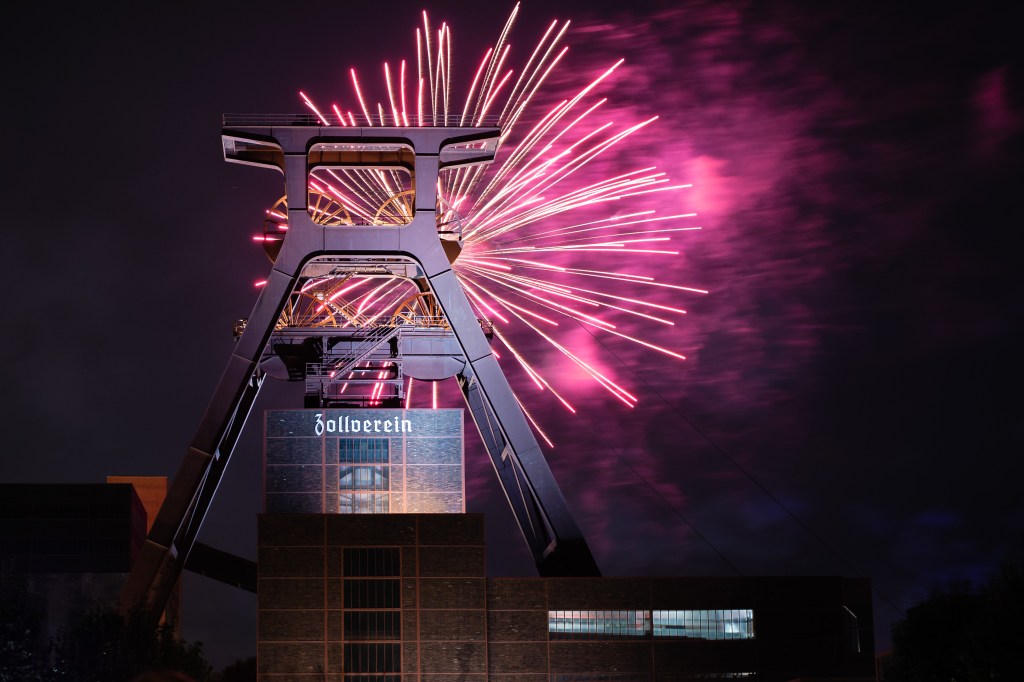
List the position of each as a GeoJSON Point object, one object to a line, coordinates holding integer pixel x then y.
{"type": "Point", "coordinates": [367, 592]}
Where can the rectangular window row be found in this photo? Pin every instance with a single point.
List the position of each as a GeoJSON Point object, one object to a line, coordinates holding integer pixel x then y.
{"type": "Point", "coordinates": [364, 478]}
{"type": "Point", "coordinates": [372, 658]}
{"type": "Point", "coordinates": [372, 561]}
{"type": "Point", "coordinates": [712, 624]}
{"type": "Point", "coordinates": [598, 624]}
{"type": "Point", "coordinates": [372, 594]}
{"type": "Point", "coordinates": [708, 624]}
{"type": "Point", "coordinates": [363, 451]}
{"type": "Point", "coordinates": [365, 625]}
{"type": "Point", "coordinates": [364, 503]}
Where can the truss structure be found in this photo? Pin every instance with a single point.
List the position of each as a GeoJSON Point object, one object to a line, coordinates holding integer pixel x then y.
{"type": "Point", "coordinates": [412, 236]}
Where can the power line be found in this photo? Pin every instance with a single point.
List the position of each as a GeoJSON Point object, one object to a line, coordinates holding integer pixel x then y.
{"type": "Point", "coordinates": [661, 497]}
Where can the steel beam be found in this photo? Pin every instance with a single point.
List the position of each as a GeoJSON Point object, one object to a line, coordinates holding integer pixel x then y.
{"type": "Point", "coordinates": [543, 516]}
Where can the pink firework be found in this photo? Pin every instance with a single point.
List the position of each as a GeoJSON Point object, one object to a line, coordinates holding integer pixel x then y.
{"type": "Point", "coordinates": [538, 225]}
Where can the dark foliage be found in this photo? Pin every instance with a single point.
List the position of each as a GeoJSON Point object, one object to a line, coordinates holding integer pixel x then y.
{"type": "Point", "coordinates": [962, 635]}
{"type": "Point", "coordinates": [239, 671]}
{"type": "Point", "coordinates": [106, 646]}
{"type": "Point", "coordinates": [101, 645]}
{"type": "Point", "coordinates": [23, 645]}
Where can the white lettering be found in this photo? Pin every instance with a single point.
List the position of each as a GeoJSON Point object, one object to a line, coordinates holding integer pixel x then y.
{"type": "Point", "coordinates": [343, 424]}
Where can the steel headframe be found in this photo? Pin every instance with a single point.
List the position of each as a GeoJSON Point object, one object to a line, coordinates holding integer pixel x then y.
{"type": "Point", "coordinates": [555, 540]}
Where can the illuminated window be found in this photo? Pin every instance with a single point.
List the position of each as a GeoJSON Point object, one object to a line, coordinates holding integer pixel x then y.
{"type": "Point", "coordinates": [364, 478]}
{"type": "Point", "coordinates": [363, 503]}
{"type": "Point", "coordinates": [363, 451]}
{"type": "Point", "coordinates": [705, 624]}
{"type": "Point", "coordinates": [694, 624]}
{"type": "Point", "coordinates": [598, 624]}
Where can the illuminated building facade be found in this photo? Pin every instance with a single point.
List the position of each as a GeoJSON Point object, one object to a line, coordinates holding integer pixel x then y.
{"type": "Point", "coordinates": [379, 461]}
{"type": "Point", "coordinates": [365, 591]}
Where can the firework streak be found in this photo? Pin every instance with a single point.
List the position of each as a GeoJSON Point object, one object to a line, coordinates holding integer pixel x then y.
{"type": "Point", "coordinates": [532, 224]}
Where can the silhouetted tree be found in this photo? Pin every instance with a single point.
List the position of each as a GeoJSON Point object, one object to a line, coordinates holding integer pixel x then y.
{"type": "Point", "coordinates": [106, 646]}
{"type": "Point", "coordinates": [935, 640]}
{"type": "Point", "coordinates": [960, 635]}
{"type": "Point", "coordinates": [24, 647]}
{"type": "Point", "coordinates": [998, 649]}
{"type": "Point", "coordinates": [239, 671]}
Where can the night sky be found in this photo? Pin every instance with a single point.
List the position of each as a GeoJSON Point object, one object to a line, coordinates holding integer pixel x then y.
{"type": "Point", "coordinates": [851, 400]}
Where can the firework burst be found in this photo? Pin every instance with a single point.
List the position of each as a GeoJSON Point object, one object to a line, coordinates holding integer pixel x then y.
{"type": "Point", "coordinates": [530, 232]}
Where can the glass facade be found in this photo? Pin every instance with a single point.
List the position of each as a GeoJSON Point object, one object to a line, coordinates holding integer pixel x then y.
{"type": "Point", "coordinates": [598, 624]}
{"type": "Point", "coordinates": [363, 450]}
{"type": "Point", "coordinates": [705, 624]}
{"type": "Point", "coordinates": [364, 478]}
{"type": "Point", "coordinates": [711, 624]}
{"type": "Point", "coordinates": [366, 461]}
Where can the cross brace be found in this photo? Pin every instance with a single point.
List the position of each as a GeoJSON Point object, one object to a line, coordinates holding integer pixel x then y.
{"type": "Point", "coordinates": [554, 539]}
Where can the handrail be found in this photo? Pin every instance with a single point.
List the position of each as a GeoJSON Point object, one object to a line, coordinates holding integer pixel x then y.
{"type": "Point", "coordinates": [235, 119]}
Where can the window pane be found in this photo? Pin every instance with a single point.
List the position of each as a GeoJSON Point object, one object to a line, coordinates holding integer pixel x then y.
{"type": "Point", "coordinates": [598, 624]}
{"type": "Point", "coordinates": [705, 624]}
{"type": "Point", "coordinates": [363, 625]}
{"type": "Point", "coordinates": [372, 658]}
{"type": "Point", "coordinates": [371, 561]}
{"type": "Point", "coordinates": [363, 450]}
{"type": "Point", "coordinates": [364, 503]}
{"type": "Point", "coordinates": [364, 478]}
{"type": "Point", "coordinates": [372, 594]}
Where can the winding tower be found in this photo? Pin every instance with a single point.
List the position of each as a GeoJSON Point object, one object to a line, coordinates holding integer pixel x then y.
{"type": "Point", "coordinates": [301, 328]}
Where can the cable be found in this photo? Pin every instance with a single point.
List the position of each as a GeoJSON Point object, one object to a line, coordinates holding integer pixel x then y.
{"type": "Point", "coordinates": [661, 497]}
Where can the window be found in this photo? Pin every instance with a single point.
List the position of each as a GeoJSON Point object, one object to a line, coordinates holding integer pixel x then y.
{"type": "Point", "coordinates": [372, 594]}
{"type": "Point", "coordinates": [371, 561]}
{"type": "Point", "coordinates": [706, 624]}
{"type": "Point", "coordinates": [363, 503]}
{"type": "Point", "coordinates": [363, 451]}
{"type": "Point", "coordinates": [360, 625]}
{"type": "Point", "coordinates": [703, 624]}
{"type": "Point", "coordinates": [598, 624]}
{"type": "Point", "coordinates": [364, 478]}
{"type": "Point", "coordinates": [373, 658]}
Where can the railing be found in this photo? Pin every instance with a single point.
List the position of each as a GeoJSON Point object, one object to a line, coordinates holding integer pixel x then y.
{"type": "Point", "coordinates": [359, 120]}
{"type": "Point", "coordinates": [316, 372]}
{"type": "Point", "coordinates": [449, 221]}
